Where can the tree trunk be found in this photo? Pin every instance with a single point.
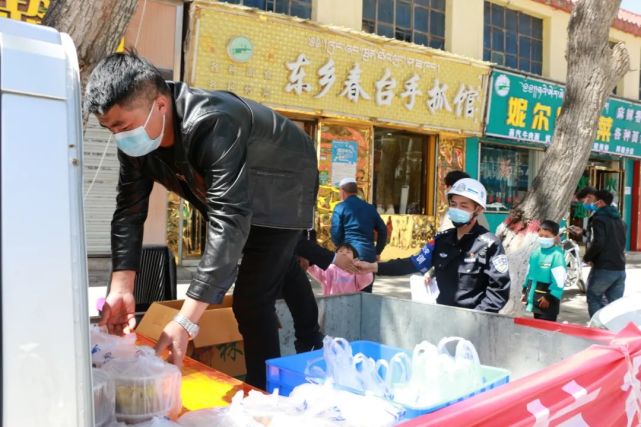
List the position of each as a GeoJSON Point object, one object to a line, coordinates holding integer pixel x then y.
{"type": "Point", "coordinates": [95, 26]}
{"type": "Point", "coordinates": [593, 70]}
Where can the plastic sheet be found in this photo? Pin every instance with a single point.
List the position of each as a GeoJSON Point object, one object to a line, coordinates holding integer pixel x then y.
{"type": "Point", "coordinates": [105, 347]}
{"type": "Point", "coordinates": [104, 398]}
{"type": "Point", "coordinates": [309, 405]}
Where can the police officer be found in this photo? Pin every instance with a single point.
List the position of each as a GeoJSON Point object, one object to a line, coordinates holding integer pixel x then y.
{"type": "Point", "coordinates": [469, 262]}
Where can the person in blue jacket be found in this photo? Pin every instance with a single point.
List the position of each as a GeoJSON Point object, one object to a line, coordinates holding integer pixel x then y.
{"type": "Point", "coordinates": [354, 221]}
{"type": "Point", "coordinates": [469, 262]}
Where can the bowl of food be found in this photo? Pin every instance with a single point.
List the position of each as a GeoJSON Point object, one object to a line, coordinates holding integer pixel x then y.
{"type": "Point", "coordinates": [145, 386]}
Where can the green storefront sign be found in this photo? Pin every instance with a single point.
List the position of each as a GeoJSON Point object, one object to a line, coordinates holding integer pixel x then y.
{"type": "Point", "coordinates": [525, 109]}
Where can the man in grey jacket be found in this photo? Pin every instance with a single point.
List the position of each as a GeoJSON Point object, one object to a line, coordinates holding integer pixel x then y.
{"type": "Point", "coordinates": [249, 170]}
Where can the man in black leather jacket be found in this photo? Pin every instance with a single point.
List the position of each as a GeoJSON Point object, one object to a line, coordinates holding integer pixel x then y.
{"type": "Point", "coordinates": [250, 170]}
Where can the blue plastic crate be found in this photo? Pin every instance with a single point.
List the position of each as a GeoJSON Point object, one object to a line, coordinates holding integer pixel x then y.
{"type": "Point", "coordinates": [286, 373]}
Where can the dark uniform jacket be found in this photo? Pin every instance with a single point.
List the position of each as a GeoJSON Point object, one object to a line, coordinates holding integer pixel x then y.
{"type": "Point", "coordinates": [238, 162]}
{"type": "Point", "coordinates": [470, 273]}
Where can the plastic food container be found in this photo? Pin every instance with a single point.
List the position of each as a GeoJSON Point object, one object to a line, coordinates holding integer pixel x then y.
{"type": "Point", "coordinates": [145, 385]}
{"type": "Point", "coordinates": [104, 398]}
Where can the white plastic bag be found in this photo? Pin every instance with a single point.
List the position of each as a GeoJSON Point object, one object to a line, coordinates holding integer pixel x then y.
{"type": "Point", "coordinates": [353, 372]}
{"type": "Point", "coordinates": [338, 407]}
{"type": "Point", "coordinates": [421, 292]}
{"type": "Point", "coordinates": [146, 386]}
{"type": "Point", "coordinates": [339, 359]}
{"type": "Point", "coordinates": [438, 376]}
{"type": "Point", "coordinates": [158, 422]}
{"type": "Point", "coordinates": [463, 369]}
{"type": "Point", "coordinates": [105, 347]}
{"type": "Point", "coordinates": [422, 388]}
{"type": "Point", "coordinates": [231, 416]}
{"type": "Point", "coordinates": [104, 398]}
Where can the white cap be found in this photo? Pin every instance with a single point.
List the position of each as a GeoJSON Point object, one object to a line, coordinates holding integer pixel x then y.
{"type": "Point", "coordinates": [470, 188]}
{"type": "Point", "coordinates": [346, 181]}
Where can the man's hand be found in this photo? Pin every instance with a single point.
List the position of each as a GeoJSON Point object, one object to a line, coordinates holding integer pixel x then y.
{"type": "Point", "coordinates": [118, 312]}
{"type": "Point", "coordinates": [367, 267]}
{"type": "Point", "coordinates": [303, 262]}
{"type": "Point", "coordinates": [576, 230]}
{"type": "Point", "coordinates": [346, 263]}
{"type": "Point", "coordinates": [523, 299]}
{"type": "Point", "coordinates": [173, 338]}
{"type": "Point", "coordinates": [543, 303]}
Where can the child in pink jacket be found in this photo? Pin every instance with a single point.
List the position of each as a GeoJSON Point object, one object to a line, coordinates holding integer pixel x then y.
{"type": "Point", "coordinates": [336, 281]}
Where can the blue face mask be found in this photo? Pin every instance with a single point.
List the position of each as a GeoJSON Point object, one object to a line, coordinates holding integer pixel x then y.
{"type": "Point", "coordinates": [590, 207]}
{"type": "Point", "coordinates": [546, 242]}
{"type": "Point", "coordinates": [136, 142]}
{"type": "Point", "coordinates": [459, 217]}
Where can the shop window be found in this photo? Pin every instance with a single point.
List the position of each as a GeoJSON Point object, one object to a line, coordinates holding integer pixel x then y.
{"type": "Point", "coordinates": [399, 172]}
{"type": "Point", "coordinates": [415, 21]}
{"type": "Point", "coordinates": [505, 173]}
{"type": "Point", "coordinates": [513, 39]}
{"type": "Point", "coordinates": [299, 8]}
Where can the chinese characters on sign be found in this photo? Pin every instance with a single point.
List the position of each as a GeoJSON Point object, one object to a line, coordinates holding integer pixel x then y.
{"type": "Point", "coordinates": [311, 68]}
{"type": "Point", "coordinates": [526, 109]}
{"type": "Point", "coordinates": [31, 11]}
{"type": "Point", "coordinates": [465, 100]}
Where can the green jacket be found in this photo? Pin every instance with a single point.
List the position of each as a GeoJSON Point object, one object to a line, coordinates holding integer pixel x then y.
{"type": "Point", "coordinates": [547, 266]}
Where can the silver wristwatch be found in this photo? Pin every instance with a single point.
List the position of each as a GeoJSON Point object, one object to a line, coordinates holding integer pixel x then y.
{"type": "Point", "coordinates": [191, 328]}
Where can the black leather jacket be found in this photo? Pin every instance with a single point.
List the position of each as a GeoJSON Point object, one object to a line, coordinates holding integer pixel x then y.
{"type": "Point", "coordinates": [238, 162]}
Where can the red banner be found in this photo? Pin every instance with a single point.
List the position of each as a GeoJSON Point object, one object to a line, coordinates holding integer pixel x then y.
{"type": "Point", "coordinates": [597, 387]}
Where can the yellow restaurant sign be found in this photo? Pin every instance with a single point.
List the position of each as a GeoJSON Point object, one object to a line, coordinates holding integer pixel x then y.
{"type": "Point", "coordinates": [24, 10]}
{"type": "Point", "coordinates": [298, 65]}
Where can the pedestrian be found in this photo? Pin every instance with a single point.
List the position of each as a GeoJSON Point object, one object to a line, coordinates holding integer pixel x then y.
{"type": "Point", "coordinates": [355, 221]}
{"type": "Point", "coordinates": [249, 170]}
{"type": "Point", "coordinates": [336, 281]}
{"type": "Point", "coordinates": [605, 253]}
{"type": "Point", "coordinates": [587, 197]}
{"type": "Point", "coordinates": [470, 264]}
{"type": "Point", "coordinates": [545, 278]}
{"type": "Point", "coordinates": [450, 179]}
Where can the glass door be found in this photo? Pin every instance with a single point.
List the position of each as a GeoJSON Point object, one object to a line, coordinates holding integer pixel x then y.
{"type": "Point", "coordinates": [610, 180]}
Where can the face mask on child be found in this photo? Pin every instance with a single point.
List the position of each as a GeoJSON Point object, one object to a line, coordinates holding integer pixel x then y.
{"type": "Point", "coordinates": [546, 242]}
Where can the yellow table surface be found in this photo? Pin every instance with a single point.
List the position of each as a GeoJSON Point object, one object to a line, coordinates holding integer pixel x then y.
{"type": "Point", "coordinates": [202, 386]}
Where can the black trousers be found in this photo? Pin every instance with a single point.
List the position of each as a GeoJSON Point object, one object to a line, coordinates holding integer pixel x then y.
{"type": "Point", "coordinates": [369, 288]}
{"type": "Point", "coordinates": [267, 256]}
{"type": "Point", "coordinates": [299, 296]}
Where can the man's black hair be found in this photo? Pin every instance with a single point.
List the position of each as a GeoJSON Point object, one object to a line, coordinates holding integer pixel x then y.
{"type": "Point", "coordinates": [348, 246]}
{"type": "Point", "coordinates": [350, 188]}
{"type": "Point", "coordinates": [585, 191]}
{"type": "Point", "coordinates": [605, 196]}
{"type": "Point", "coordinates": [122, 78]}
{"type": "Point", "coordinates": [550, 226]}
{"type": "Point", "coordinates": [453, 176]}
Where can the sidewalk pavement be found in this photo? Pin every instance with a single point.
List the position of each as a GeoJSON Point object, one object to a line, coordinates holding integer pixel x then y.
{"type": "Point", "coordinates": [574, 307]}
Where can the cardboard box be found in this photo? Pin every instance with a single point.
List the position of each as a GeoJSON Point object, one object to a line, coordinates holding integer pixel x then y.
{"type": "Point", "coordinates": [218, 344]}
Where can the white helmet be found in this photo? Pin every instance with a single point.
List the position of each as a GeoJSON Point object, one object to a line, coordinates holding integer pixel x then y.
{"type": "Point", "coordinates": [470, 188]}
